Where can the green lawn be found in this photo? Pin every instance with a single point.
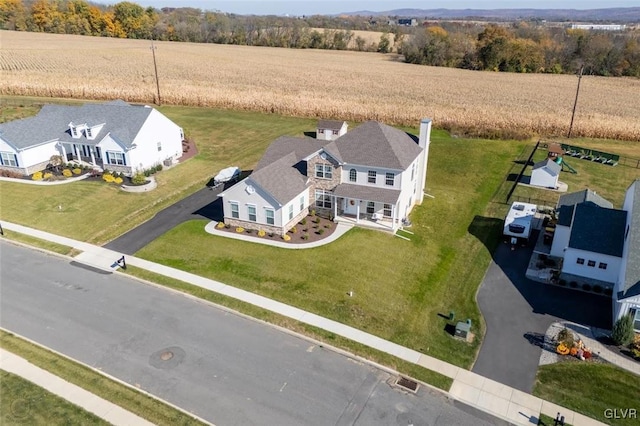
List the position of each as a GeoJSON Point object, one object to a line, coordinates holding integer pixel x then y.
{"type": "Point", "coordinates": [400, 286]}
{"type": "Point", "coordinates": [24, 403]}
{"type": "Point", "coordinates": [124, 396]}
{"type": "Point", "coordinates": [589, 388]}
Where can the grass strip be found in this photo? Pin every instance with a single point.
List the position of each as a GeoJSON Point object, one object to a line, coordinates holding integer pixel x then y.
{"type": "Point", "coordinates": [545, 420]}
{"type": "Point", "coordinates": [124, 396]}
{"type": "Point", "coordinates": [406, 368]}
{"type": "Point", "coordinates": [590, 389]}
{"type": "Point", "coordinates": [40, 243]}
{"type": "Point", "coordinates": [23, 403]}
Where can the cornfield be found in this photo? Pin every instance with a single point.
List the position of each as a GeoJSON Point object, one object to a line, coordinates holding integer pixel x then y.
{"type": "Point", "coordinates": [342, 85]}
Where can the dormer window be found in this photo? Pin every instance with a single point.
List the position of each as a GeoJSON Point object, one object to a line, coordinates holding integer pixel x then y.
{"type": "Point", "coordinates": [74, 132]}
{"type": "Point", "coordinates": [89, 134]}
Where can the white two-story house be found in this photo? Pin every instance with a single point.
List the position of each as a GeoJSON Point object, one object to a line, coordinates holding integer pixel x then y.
{"type": "Point", "coordinates": [374, 173]}
{"type": "Point", "coordinates": [115, 136]}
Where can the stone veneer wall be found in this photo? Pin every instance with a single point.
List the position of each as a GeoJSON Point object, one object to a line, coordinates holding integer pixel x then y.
{"type": "Point", "coordinates": [320, 183]}
{"type": "Point", "coordinates": [28, 170]}
{"type": "Point", "coordinates": [278, 230]}
{"type": "Point", "coordinates": [116, 168]}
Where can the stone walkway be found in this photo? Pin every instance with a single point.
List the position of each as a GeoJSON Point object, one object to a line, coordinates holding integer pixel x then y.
{"type": "Point", "coordinates": [102, 408]}
{"type": "Point", "coordinates": [499, 400]}
{"type": "Point", "coordinates": [589, 336]}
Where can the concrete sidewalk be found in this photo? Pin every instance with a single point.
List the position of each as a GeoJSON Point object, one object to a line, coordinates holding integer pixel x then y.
{"type": "Point", "coordinates": [102, 408]}
{"type": "Point", "coordinates": [470, 388]}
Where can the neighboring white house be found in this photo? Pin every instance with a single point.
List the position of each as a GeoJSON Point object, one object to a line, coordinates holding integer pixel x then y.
{"type": "Point", "coordinates": [374, 172]}
{"type": "Point", "coordinates": [545, 174]}
{"type": "Point", "coordinates": [331, 129]}
{"type": "Point", "coordinates": [626, 297]}
{"type": "Point", "coordinates": [115, 135]}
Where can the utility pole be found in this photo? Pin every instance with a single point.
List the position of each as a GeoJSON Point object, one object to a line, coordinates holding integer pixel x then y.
{"type": "Point", "coordinates": [155, 67]}
{"type": "Point", "coordinates": [575, 103]}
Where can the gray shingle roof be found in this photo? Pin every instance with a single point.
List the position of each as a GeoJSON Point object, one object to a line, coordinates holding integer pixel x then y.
{"type": "Point", "coordinates": [550, 164]}
{"type": "Point", "coordinates": [377, 145]}
{"type": "Point", "coordinates": [632, 276]}
{"type": "Point", "coordinates": [281, 179]}
{"type": "Point", "coordinates": [120, 119]}
{"type": "Point", "coordinates": [597, 229]}
{"type": "Point", "coordinates": [285, 145]}
{"type": "Point", "coordinates": [334, 125]}
{"type": "Point", "coordinates": [582, 196]}
{"type": "Point", "coordinates": [370, 193]}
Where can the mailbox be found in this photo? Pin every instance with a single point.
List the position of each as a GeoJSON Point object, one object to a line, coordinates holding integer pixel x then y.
{"type": "Point", "coordinates": [463, 329]}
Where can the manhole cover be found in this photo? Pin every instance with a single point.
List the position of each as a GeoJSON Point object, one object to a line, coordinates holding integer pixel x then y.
{"type": "Point", "coordinates": [408, 384]}
{"type": "Point", "coordinates": [167, 358]}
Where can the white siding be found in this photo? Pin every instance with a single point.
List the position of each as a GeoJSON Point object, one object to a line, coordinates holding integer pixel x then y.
{"type": "Point", "coordinates": [157, 128]}
{"type": "Point", "coordinates": [560, 240]}
{"type": "Point", "coordinates": [109, 145]}
{"type": "Point", "coordinates": [543, 177]}
{"type": "Point", "coordinates": [571, 266]}
{"type": "Point", "coordinates": [238, 193]}
{"type": "Point", "coordinates": [362, 173]}
{"type": "Point", "coordinates": [38, 154]}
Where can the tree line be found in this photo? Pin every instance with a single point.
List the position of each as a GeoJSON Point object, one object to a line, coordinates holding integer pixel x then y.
{"type": "Point", "coordinates": [516, 47]}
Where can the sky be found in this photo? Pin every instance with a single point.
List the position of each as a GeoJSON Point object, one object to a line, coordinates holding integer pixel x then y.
{"type": "Point", "coordinates": [330, 7]}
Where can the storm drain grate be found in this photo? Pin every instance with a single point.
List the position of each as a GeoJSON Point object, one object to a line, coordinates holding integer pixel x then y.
{"type": "Point", "coordinates": [408, 384]}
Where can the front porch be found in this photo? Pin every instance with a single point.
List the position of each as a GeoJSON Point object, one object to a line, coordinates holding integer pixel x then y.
{"type": "Point", "coordinates": [370, 207]}
{"type": "Point", "coordinates": [366, 221]}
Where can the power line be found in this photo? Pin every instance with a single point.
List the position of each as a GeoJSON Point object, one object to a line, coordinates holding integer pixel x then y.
{"type": "Point", "coordinates": [575, 103]}
{"type": "Point", "coordinates": [155, 67]}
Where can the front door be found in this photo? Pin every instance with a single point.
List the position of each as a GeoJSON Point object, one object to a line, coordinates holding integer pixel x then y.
{"type": "Point", "coordinates": [350, 206]}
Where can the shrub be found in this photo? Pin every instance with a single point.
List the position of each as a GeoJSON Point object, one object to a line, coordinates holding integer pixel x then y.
{"type": "Point", "coordinates": [147, 173]}
{"type": "Point", "coordinates": [77, 171]}
{"type": "Point", "coordinates": [608, 291]}
{"type": "Point", "coordinates": [305, 236]}
{"type": "Point", "coordinates": [47, 176]}
{"type": "Point", "coordinates": [597, 289]}
{"type": "Point", "coordinates": [622, 333]}
{"type": "Point", "coordinates": [328, 226]}
{"type": "Point", "coordinates": [220, 225]}
{"type": "Point", "coordinates": [261, 233]}
{"type": "Point", "coordinates": [108, 178]}
{"type": "Point", "coordinates": [67, 173]}
{"type": "Point", "coordinates": [239, 229]}
{"type": "Point", "coordinates": [139, 179]}
{"type": "Point", "coordinates": [635, 347]}
{"type": "Point", "coordinates": [286, 237]}
{"type": "Point", "coordinates": [159, 168]}
{"type": "Point", "coordinates": [562, 283]}
{"type": "Point", "coordinates": [312, 213]}
{"type": "Point", "coordinates": [320, 231]}
{"type": "Point", "coordinates": [37, 176]}
{"type": "Point", "coordinates": [293, 230]}
{"type": "Point", "coordinates": [316, 220]}
{"type": "Point", "coordinates": [566, 337]}
{"type": "Point", "coordinates": [573, 284]}
{"type": "Point", "coordinates": [117, 180]}
{"type": "Point", "coordinates": [586, 287]}
{"type": "Point", "coordinates": [10, 174]}
{"type": "Point", "coordinates": [303, 221]}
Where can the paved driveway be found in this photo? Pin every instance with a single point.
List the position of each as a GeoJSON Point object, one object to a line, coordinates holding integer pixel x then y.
{"type": "Point", "coordinates": [518, 312]}
{"type": "Point", "coordinates": [204, 204]}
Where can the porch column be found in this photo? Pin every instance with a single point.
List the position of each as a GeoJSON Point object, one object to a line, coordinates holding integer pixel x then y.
{"type": "Point", "coordinates": [93, 157]}
{"type": "Point", "coordinates": [335, 207]}
{"type": "Point", "coordinates": [358, 212]}
{"type": "Point", "coordinates": [77, 150]}
{"type": "Point", "coordinates": [393, 216]}
{"type": "Point", "coordinates": [64, 153]}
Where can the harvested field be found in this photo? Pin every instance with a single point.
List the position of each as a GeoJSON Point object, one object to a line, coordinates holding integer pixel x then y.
{"type": "Point", "coordinates": [315, 83]}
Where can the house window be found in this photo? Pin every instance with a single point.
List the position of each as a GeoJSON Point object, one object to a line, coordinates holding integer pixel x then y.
{"type": "Point", "coordinates": [290, 211]}
{"type": "Point", "coordinates": [389, 179]}
{"type": "Point", "coordinates": [251, 210]}
{"type": "Point", "coordinates": [270, 216]}
{"type": "Point", "coordinates": [159, 146]}
{"type": "Point", "coordinates": [371, 176]}
{"type": "Point", "coordinates": [371, 207]}
{"type": "Point", "coordinates": [116, 158]}
{"type": "Point", "coordinates": [387, 210]}
{"type": "Point", "coordinates": [302, 203]}
{"type": "Point", "coordinates": [74, 131]}
{"type": "Point", "coordinates": [9, 159]}
{"type": "Point", "coordinates": [591, 263]}
{"type": "Point", "coordinates": [602, 265]}
{"type": "Point", "coordinates": [324, 171]}
{"type": "Point", "coordinates": [353, 175]}
{"type": "Point", "coordinates": [235, 211]}
{"type": "Point", "coordinates": [635, 314]}
{"type": "Point", "coordinates": [413, 171]}
{"type": "Point", "coordinates": [580, 261]}
{"type": "Point", "coordinates": [323, 199]}
{"type": "Point", "coordinates": [89, 134]}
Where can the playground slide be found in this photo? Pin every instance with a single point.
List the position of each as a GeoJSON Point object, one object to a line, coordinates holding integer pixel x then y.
{"type": "Point", "coordinates": [563, 163]}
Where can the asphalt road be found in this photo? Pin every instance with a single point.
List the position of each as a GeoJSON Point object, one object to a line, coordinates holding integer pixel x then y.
{"type": "Point", "coordinates": [518, 313]}
{"type": "Point", "coordinates": [225, 368]}
{"type": "Point", "coordinates": [200, 205]}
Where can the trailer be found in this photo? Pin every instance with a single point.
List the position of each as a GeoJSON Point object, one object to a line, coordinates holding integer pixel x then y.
{"type": "Point", "coordinates": [230, 174]}
{"type": "Point", "coordinates": [519, 223]}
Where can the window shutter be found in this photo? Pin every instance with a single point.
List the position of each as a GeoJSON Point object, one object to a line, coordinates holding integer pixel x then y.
{"type": "Point", "coordinates": [15, 156]}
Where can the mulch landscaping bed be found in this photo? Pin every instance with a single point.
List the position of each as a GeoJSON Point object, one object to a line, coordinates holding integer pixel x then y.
{"type": "Point", "coordinates": [188, 150]}
{"type": "Point", "coordinates": [620, 350]}
{"type": "Point", "coordinates": [312, 230]}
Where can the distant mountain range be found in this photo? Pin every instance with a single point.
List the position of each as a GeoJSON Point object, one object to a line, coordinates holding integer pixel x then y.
{"type": "Point", "coordinates": [620, 14]}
